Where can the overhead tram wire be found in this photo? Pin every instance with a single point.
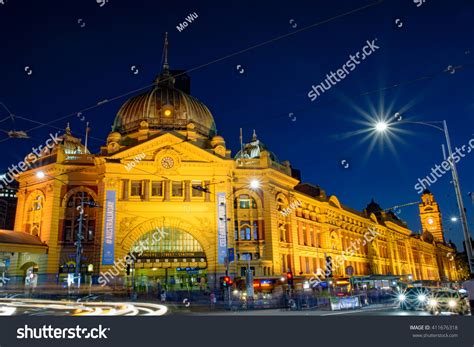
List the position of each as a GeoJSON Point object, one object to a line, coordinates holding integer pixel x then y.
{"type": "Point", "coordinates": [108, 100]}
{"type": "Point", "coordinates": [393, 86]}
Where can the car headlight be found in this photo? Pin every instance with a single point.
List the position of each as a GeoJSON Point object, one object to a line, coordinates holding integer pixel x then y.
{"type": "Point", "coordinates": [452, 303]}
{"type": "Point", "coordinates": [422, 298]}
{"type": "Point", "coordinates": [402, 297]}
{"type": "Point", "coordinates": [432, 302]}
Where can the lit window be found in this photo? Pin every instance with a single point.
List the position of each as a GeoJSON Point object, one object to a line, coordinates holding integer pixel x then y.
{"type": "Point", "coordinates": [244, 201]}
{"type": "Point", "coordinates": [245, 230]}
{"type": "Point", "coordinates": [177, 189]}
{"type": "Point", "coordinates": [197, 189]}
{"type": "Point", "coordinates": [136, 188]}
{"type": "Point", "coordinates": [157, 189]}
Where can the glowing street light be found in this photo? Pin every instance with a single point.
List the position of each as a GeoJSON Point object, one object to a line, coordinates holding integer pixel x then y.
{"type": "Point", "coordinates": [40, 174]}
{"type": "Point", "coordinates": [454, 219]}
{"type": "Point", "coordinates": [254, 184]}
{"type": "Point", "coordinates": [381, 126]}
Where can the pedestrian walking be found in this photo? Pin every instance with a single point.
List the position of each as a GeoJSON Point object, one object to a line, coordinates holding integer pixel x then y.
{"type": "Point", "coordinates": [213, 300]}
{"type": "Point", "coordinates": [163, 296]}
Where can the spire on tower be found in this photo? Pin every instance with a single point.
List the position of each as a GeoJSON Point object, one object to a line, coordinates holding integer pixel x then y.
{"type": "Point", "coordinates": [165, 53]}
{"type": "Point", "coordinates": [165, 78]}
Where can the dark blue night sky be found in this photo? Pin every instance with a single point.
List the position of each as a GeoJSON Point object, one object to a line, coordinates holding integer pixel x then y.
{"type": "Point", "coordinates": [76, 67]}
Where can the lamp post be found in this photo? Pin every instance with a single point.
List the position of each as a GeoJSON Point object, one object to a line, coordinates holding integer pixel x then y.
{"type": "Point", "coordinates": [77, 272]}
{"type": "Point", "coordinates": [382, 126]}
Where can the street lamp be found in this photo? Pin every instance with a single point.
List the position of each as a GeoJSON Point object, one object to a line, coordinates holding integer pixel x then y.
{"type": "Point", "coordinates": [382, 126]}
{"type": "Point", "coordinates": [254, 184]}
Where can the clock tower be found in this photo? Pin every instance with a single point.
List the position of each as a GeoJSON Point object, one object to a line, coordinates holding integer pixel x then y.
{"type": "Point", "coordinates": [430, 216]}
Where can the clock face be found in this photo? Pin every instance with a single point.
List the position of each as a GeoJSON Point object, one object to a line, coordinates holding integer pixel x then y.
{"type": "Point", "coordinates": [167, 162]}
{"type": "Point", "coordinates": [430, 221]}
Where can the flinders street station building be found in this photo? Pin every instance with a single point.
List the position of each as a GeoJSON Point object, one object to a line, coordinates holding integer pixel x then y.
{"type": "Point", "coordinates": [166, 199]}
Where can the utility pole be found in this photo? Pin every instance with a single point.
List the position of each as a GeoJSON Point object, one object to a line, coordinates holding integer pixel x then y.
{"type": "Point", "coordinates": [462, 211]}
{"type": "Point", "coordinates": [224, 206]}
{"type": "Point", "coordinates": [77, 273]}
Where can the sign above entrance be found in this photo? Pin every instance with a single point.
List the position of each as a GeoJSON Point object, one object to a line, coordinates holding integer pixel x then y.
{"type": "Point", "coordinates": [174, 255]}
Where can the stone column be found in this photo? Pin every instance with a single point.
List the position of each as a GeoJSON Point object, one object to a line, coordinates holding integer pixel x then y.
{"type": "Point", "coordinates": [146, 190]}
{"type": "Point", "coordinates": [207, 196]}
{"type": "Point", "coordinates": [166, 193]}
{"type": "Point", "coordinates": [125, 187]}
{"type": "Point", "coordinates": [187, 190]}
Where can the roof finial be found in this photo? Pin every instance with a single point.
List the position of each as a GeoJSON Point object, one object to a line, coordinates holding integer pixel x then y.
{"type": "Point", "coordinates": [254, 136]}
{"type": "Point", "coordinates": [165, 53]}
{"type": "Point", "coordinates": [68, 129]}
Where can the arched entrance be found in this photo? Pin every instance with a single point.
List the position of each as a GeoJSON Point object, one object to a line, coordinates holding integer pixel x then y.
{"type": "Point", "coordinates": [168, 256]}
{"type": "Point", "coordinates": [30, 274]}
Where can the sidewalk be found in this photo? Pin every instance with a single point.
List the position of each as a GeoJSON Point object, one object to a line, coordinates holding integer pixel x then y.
{"type": "Point", "coordinates": [278, 312]}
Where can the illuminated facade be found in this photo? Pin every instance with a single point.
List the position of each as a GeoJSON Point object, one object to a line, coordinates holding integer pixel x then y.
{"type": "Point", "coordinates": [164, 168]}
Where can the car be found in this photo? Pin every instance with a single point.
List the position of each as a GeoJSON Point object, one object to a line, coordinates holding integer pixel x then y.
{"type": "Point", "coordinates": [413, 298]}
{"type": "Point", "coordinates": [447, 301]}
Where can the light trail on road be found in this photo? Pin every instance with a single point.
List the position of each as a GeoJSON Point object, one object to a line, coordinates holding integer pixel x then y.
{"type": "Point", "coordinates": [9, 307]}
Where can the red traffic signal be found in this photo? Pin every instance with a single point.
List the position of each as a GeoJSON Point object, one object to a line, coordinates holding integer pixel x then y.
{"type": "Point", "coordinates": [227, 281]}
{"type": "Point", "coordinates": [289, 275]}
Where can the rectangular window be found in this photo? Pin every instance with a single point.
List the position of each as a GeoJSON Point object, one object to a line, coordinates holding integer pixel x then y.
{"type": "Point", "coordinates": [255, 230]}
{"type": "Point", "coordinates": [197, 189]}
{"type": "Point", "coordinates": [136, 188]}
{"type": "Point", "coordinates": [244, 201]}
{"type": "Point", "coordinates": [157, 188]}
{"type": "Point", "coordinates": [67, 230]}
{"type": "Point", "coordinates": [177, 189]}
{"type": "Point", "coordinates": [90, 230]}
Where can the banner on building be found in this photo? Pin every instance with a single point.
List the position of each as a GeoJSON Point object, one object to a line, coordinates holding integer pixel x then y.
{"type": "Point", "coordinates": [108, 251]}
{"type": "Point", "coordinates": [221, 228]}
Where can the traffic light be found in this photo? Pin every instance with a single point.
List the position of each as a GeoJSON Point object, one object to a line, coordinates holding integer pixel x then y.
{"type": "Point", "coordinates": [227, 281]}
{"type": "Point", "coordinates": [289, 277]}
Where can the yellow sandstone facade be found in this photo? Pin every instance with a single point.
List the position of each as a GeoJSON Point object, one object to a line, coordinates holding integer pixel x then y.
{"type": "Point", "coordinates": [164, 168]}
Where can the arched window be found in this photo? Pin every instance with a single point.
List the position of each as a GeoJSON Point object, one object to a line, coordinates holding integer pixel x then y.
{"type": "Point", "coordinates": [35, 214]}
{"type": "Point", "coordinates": [246, 218]}
{"type": "Point", "coordinates": [71, 222]}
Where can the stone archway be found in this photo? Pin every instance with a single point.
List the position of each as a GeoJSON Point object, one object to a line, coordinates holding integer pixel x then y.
{"type": "Point", "coordinates": [30, 271]}
{"type": "Point", "coordinates": [203, 233]}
